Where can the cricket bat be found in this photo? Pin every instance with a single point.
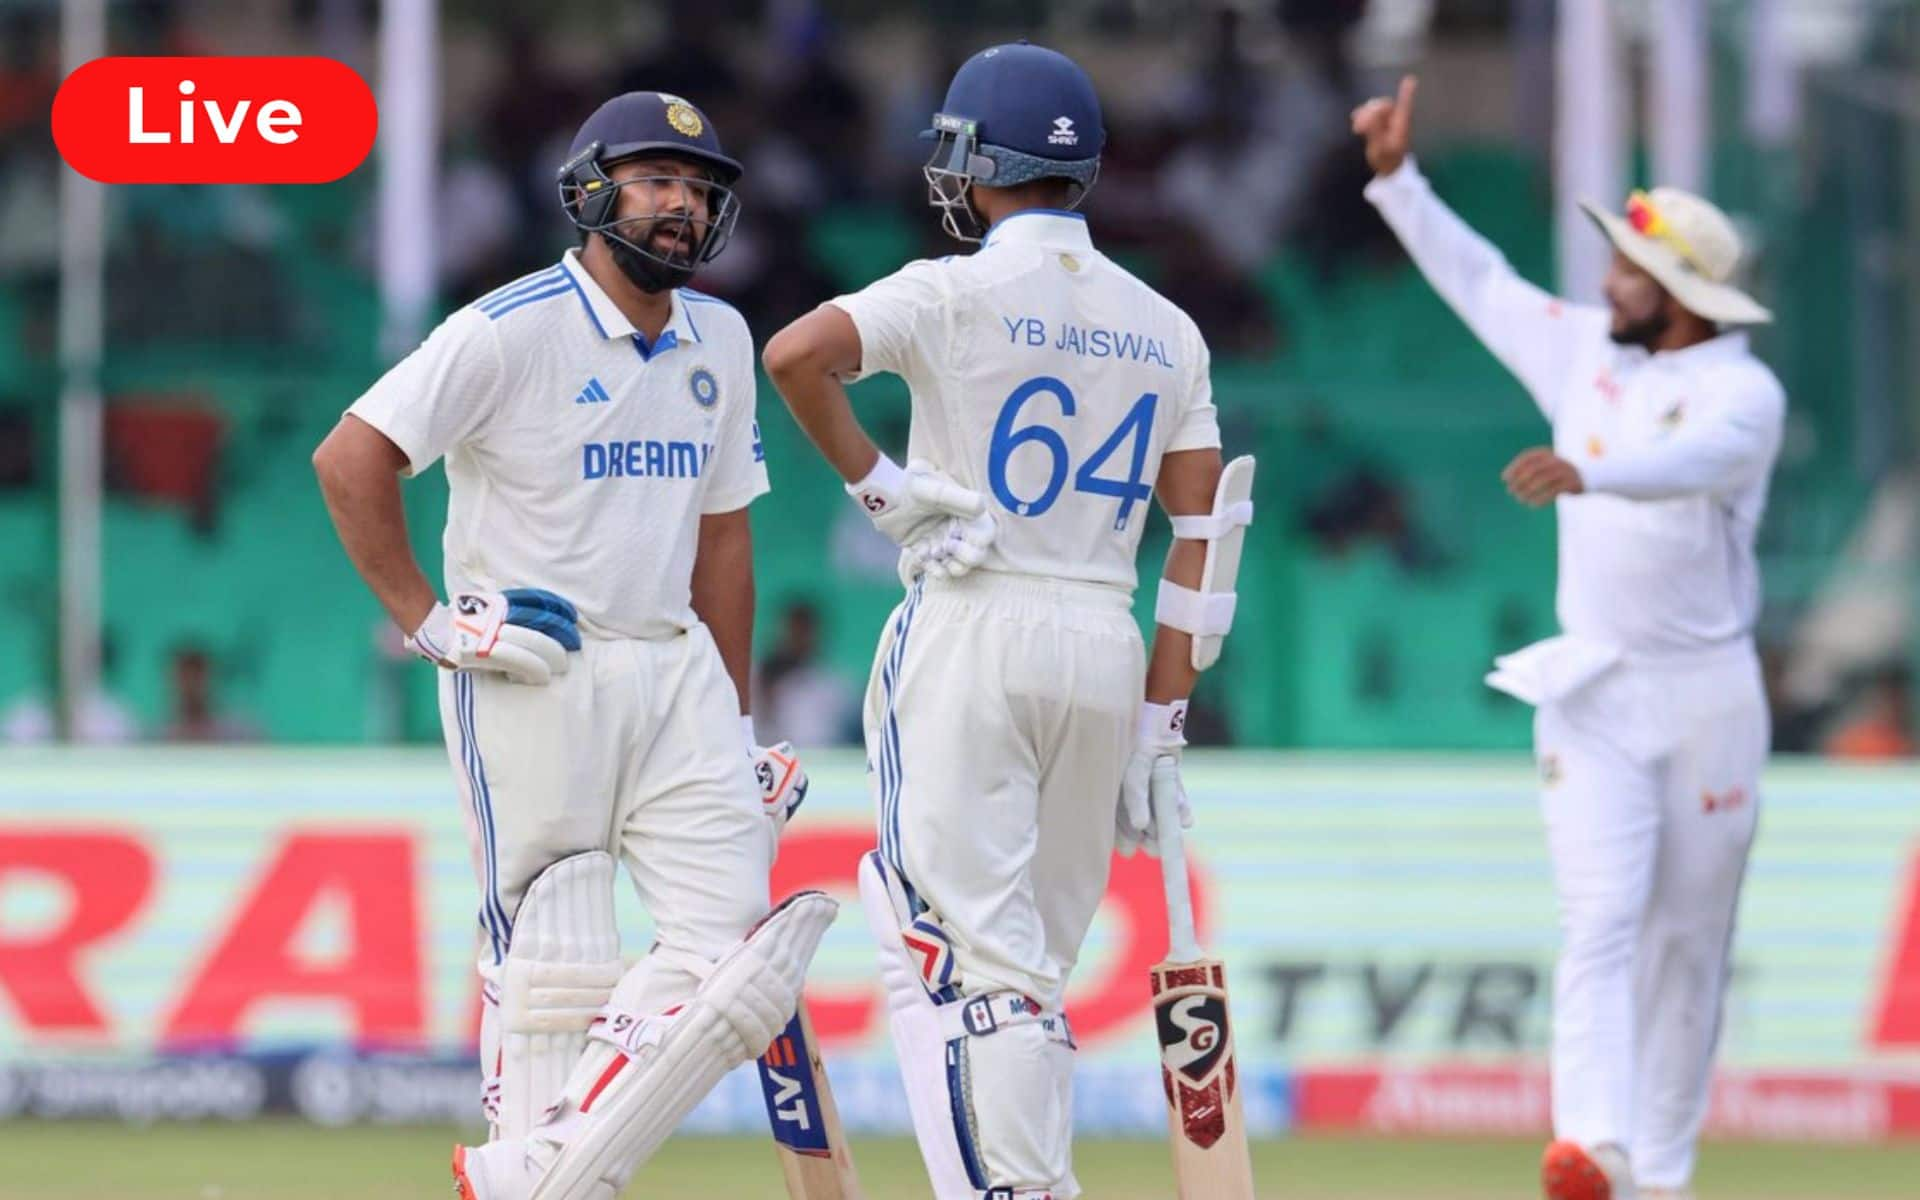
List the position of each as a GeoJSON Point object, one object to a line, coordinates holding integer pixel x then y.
{"type": "Point", "coordinates": [1210, 1160]}
{"type": "Point", "coordinates": [813, 1152]}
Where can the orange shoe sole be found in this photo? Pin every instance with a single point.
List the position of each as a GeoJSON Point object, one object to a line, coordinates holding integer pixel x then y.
{"type": "Point", "coordinates": [460, 1184]}
{"type": "Point", "coordinates": [1567, 1173]}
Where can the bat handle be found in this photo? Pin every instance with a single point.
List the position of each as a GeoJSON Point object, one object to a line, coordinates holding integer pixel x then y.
{"type": "Point", "coordinates": [1183, 945]}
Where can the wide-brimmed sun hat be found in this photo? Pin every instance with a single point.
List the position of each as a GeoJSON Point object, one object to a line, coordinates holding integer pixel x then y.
{"type": "Point", "coordinates": [1689, 246]}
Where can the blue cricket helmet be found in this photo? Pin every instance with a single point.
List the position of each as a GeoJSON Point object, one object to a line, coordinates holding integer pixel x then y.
{"type": "Point", "coordinates": [640, 125]}
{"type": "Point", "coordinates": [1013, 114]}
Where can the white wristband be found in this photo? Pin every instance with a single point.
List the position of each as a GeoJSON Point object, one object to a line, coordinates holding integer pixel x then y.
{"type": "Point", "coordinates": [433, 641]}
{"type": "Point", "coordinates": [887, 478]}
{"type": "Point", "coordinates": [746, 727]}
{"type": "Point", "coordinates": [1162, 726]}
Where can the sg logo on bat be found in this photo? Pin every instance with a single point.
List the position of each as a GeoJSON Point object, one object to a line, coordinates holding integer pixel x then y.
{"type": "Point", "coordinates": [1193, 1033]}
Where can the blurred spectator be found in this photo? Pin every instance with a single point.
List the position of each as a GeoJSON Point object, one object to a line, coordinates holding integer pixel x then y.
{"type": "Point", "coordinates": [1346, 500]}
{"type": "Point", "coordinates": [196, 716]}
{"type": "Point", "coordinates": [1881, 724]}
{"type": "Point", "coordinates": [19, 450]}
{"type": "Point", "coordinates": [1230, 178]}
{"type": "Point", "coordinates": [30, 203]}
{"type": "Point", "coordinates": [102, 720]}
{"type": "Point", "coordinates": [693, 60]}
{"type": "Point", "coordinates": [814, 121]}
{"type": "Point", "coordinates": [802, 700]}
{"type": "Point", "coordinates": [481, 237]}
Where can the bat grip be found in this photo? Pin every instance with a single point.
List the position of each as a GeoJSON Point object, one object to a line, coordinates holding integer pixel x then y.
{"type": "Point", "coordinates": [1163, 793]}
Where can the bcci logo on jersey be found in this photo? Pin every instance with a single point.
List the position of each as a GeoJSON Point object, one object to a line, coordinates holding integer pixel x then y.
{"type": "Point", "coordinates": [705, 388]}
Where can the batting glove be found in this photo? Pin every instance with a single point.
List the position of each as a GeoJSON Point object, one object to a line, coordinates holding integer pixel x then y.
{"type": "Point", "coordinates": [1161, 734]}
{"type": "Point", "coordinates": [910, 505]}
{"type": "Point", "coordinates": [522, 633]}
{"type": "Point", "coordinates": [950, 550]}
{"type": "Point", "coordinates": [782, 780]}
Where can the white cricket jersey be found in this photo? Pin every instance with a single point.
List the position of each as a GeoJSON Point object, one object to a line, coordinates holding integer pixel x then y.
{"type": "Point", "coordinates": [1048, 379]}
{"type": "Point", "coordinates": [579, 457]}
{"type": "Point", "coordinates": [1675, 448]}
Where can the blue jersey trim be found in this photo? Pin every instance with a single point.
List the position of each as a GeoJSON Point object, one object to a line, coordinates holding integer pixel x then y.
{"type": "Point", "coordinates": [524, 283]}
{"type": "Point", "coordinates": [586, 304]}
{"type": "Point", "coordinates": [524, 300]}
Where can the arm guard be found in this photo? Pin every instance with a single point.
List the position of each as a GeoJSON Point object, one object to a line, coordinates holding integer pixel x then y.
{"type": "Point", "coordinates": [1207, 614]}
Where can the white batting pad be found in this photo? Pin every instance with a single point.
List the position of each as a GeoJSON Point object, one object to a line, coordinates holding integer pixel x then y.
{"type": "Point", "coordinates": [666, 1063]}
{"type": "Point", "coordinates": [989, 1078]}
{"type": "Point", "coordinates": [562, 963]}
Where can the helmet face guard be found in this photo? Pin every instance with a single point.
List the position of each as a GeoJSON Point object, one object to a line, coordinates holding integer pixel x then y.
{"type": "Point", "coordinates": [961, 160]}
{"type": "Point", "coordinates": [591, 199]}
{"type": "Point", "coordinates": [955, 166]}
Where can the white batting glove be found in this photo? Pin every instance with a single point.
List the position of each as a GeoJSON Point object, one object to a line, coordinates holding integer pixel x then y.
{"type": "Point", "coordinates": [1162, 734]}
{"type": "Point", "coordinates": [522, 633]}
{"type": "Point", "coordinates": [952, 549]}
{"type": "Point", "coordinates": [908, 505]}
{"type": "Point", "coordinates": [782, 780]}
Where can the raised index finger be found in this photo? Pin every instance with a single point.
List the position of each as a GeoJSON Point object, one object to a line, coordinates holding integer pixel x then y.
{"type": "Point", "coordinates": [1403, 107]}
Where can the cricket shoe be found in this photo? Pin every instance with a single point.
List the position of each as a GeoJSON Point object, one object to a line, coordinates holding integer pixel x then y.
{"type": "Point", "coordinates": [1570, 1171]}
{"type": "Point", "coordinates": [495, 1171]}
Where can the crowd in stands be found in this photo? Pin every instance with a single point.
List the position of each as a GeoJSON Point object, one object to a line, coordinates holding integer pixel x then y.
{"type": "Point", "coordinates": [1233, 150]}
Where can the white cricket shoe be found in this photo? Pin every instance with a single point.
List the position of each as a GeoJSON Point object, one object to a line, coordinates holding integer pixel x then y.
{"type": "Point", "coordinates": [495, 1171]}
{"type": "Point", "coordinates": [1570, 1171]}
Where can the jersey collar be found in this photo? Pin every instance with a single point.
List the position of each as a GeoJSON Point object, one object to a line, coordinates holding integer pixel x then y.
{"type": "Point", "coordinates": [1042, 227]}
{"type": "Point", "coordinates": [1732, 344]}
{"type": "Point", "coordinates": [610, 322]}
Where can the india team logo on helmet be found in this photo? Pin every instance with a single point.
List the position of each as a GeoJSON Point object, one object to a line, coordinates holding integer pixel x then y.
{"type": "Point", "coordinates": [684, 117]}
{"type": "Point", "coordinates": [705, 388]}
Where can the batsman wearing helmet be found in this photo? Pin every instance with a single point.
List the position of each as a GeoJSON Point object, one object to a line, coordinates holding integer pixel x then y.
{"type": "Point", "coordinates": [597, 423]}
{"type": "Point", "coordinates": [1014, 714]}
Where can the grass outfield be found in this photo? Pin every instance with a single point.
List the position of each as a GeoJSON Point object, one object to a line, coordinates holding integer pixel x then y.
{"type": "Point", "coordinates": [284, 1161]}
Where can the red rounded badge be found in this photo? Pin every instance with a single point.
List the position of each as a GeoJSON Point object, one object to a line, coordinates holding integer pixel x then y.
{"type": "Point", "coordinates": [214, 120]}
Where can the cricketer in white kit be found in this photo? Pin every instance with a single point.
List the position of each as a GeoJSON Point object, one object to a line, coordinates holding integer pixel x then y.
{"type": "Point", "coordinates": [597, 423]}
{"type": "Point", "coordinates": [1651, 724]}
{"type": "Point", "coordinates": [1008, 724]}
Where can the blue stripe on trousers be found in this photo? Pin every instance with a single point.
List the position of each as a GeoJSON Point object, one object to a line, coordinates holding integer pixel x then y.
{"type": "Point", "coordinates": [492, 914]}
{"type": "Point", "coordinates": [891, 766]}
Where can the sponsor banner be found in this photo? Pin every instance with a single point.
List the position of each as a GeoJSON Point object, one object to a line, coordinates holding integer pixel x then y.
{"type": "Point", "coordinates": [165, 910]}
{"type": "Point", "coordinates": [334, 1087]}
{"type": "Point", "coordinates": [1514, 1100]}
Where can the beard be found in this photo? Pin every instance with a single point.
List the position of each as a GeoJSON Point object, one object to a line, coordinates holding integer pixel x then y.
{"type": "Point", "coordinates": [1642, 333]}
{"type": "Point", "coordinates": [655, 270]}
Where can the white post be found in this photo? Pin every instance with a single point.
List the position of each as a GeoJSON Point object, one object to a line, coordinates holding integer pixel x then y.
{"type": "Point", "coordinates": [1589, 145]}
{"type": "Point", "coordinates": [1679, 115]}
{"type": "Point", "coordinates": [409, 90]}
{"type": "Point", "coordinates": [83, 37]}
{"type": "Point", "coordinates": [1773, 83]}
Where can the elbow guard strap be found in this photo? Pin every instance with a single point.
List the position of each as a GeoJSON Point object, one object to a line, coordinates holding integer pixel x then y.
{"type": "Point", "coordinates": [1202, 614]}
{"type": "Point", "coordinates": [1207, 613]}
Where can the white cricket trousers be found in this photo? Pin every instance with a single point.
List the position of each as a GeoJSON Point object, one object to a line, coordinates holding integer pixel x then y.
{"type": "Point", "coordinates": [1650, 790]}
{"type": "Point", "coordinates": [636, 750]}
{"type": "Point", "coordinates": [999, 718]}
